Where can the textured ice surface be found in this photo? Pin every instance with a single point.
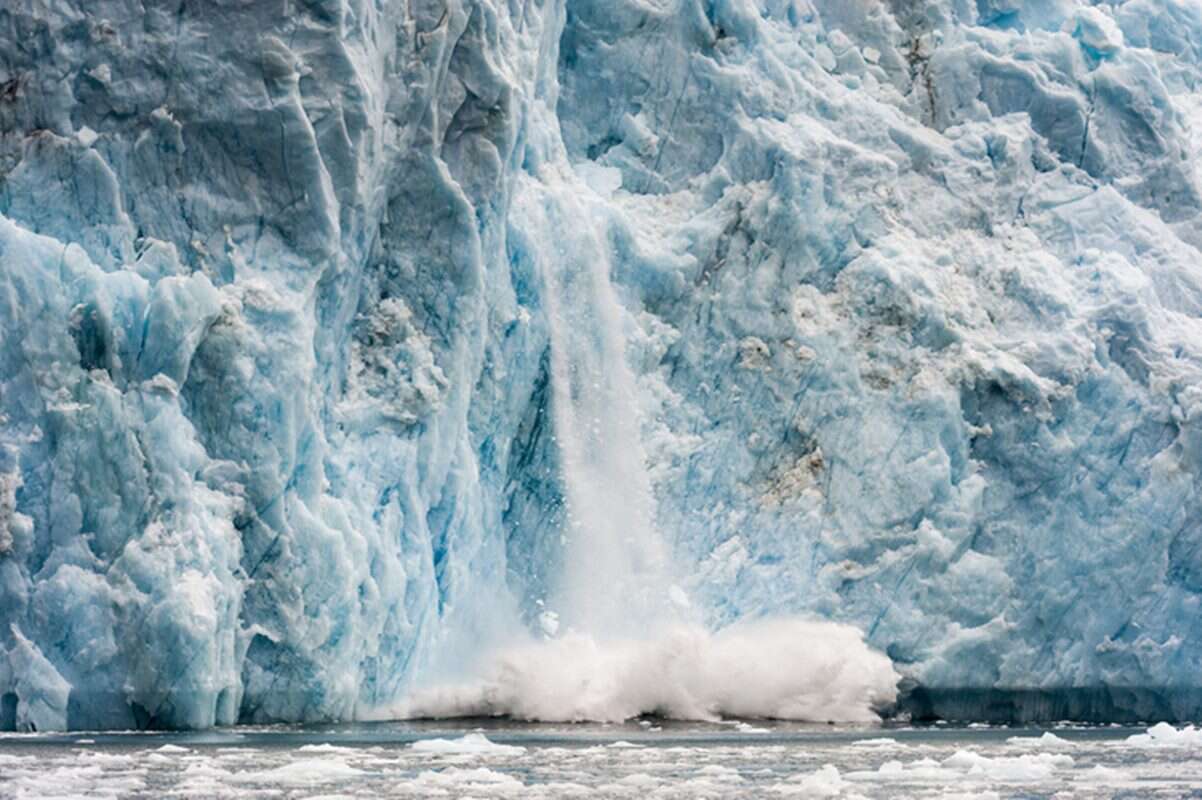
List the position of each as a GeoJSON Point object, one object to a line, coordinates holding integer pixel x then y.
{"type": "Point", "coordinates": [907, 294]}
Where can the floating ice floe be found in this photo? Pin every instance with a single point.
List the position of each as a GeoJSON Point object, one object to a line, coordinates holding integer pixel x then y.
{"type": "Point", "coordinates": [472, 744]}
{"type": "Point", "coordinates": [1163, 734]}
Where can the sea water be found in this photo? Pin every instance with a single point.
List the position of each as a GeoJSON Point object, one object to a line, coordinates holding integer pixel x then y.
{"type": "Point", "coordinates": [648, 758]}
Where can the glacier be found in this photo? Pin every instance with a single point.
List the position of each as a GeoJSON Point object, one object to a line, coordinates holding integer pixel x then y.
{"type": "Point", "coordinates": [333, 332]}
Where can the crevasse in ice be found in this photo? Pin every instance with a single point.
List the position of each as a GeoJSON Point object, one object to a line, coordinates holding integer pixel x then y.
{"type": "Point", "coordinates": [296, 298]}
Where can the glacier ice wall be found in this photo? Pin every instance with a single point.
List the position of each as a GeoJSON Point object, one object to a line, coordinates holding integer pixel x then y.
{"type": "Point", "coordinates": [911, 291]}
{"type": "Point", "coordinates": [264, 356]}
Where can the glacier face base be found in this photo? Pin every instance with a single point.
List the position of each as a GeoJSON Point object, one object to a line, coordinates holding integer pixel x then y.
{"type": "Point", "coordinates": [907, 298]}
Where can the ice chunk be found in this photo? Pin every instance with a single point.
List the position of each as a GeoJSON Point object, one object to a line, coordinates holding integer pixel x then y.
{"type": "Point", "coordinates": [473, 744]}
{"type": "Point", "coordinates": [470, 782]}
{"type": "Point", "coordinates": [1097, 30]}
{"type": "Point", "coordinates": [602, 180]}
{"type": "Point", "coordinates": [302, 772]}
{"type": "Point", "coordinates": [41, 692]}
{"type": "Point", "coordinates": [86, 136]}
{"type": "Point", "coordinates": [1046, 741]}
{"type": "Point", "coordinates": [1020, 768]}
{"type": "Point", "coordinates": [823, 782]}
{"type": "Point", "coordinates": [1163, 734]}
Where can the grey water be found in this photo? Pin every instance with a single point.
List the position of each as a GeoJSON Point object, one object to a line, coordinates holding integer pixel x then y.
{"type": "Point", "coordinates": [645, 759]}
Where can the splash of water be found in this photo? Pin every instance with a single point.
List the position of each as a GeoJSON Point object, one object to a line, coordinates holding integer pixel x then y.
{"type": "Point", "coordinates": [778, 669]}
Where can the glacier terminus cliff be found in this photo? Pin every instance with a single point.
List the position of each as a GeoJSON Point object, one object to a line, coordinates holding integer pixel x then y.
{"type": "Point", "coordinates": [352, 348]}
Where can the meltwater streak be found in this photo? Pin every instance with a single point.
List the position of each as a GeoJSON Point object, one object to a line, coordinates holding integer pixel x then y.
{"type": "Point", "coordinates": [629, 646]}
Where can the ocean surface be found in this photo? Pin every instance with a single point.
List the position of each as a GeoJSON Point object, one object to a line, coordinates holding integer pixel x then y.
{"type": "Point", "coordinates": [646, 759]}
